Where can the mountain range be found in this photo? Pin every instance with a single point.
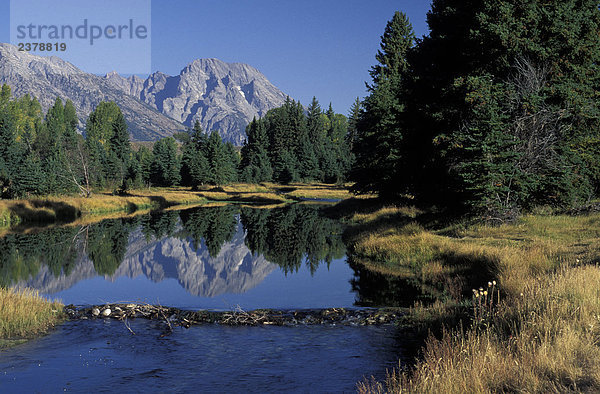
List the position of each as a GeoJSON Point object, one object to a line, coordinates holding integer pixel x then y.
{"type": "Point", "coordinates": [222, 96]}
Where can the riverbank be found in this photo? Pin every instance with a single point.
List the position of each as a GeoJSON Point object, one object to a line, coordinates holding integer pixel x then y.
{"type": "Point", "coordinates": [513, 308]}
{"type": "Point", "coordinates": [24, 314]}
{"type": "Point", "coordinates": [65, 209]}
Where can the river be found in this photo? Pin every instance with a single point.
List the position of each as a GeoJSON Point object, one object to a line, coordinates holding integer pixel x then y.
{"type": "Point", "coordinates": [216, 258]}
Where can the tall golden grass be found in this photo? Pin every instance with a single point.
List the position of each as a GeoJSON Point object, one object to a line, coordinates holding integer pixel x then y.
{"type": "Point", "coordinates": [51, 209]}
{"type": "Point", "coordinates": [24, 313]}
{"type": "Point", "coordinates": [543, 335]}
{"type": "Point", "coordinates": [312, 190]}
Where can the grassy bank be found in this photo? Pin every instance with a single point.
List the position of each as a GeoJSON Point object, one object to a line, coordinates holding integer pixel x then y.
{"type": "Point", "coordinates": [52, 209]}
{"type": "Point", "coordinates": [321, 191]}
{"type": "Point", "coordinates": [246, 193]}
{"type": "Point", "coordinates": [24, 314]}
{"type": "Point", "coordinates": [539, 332]}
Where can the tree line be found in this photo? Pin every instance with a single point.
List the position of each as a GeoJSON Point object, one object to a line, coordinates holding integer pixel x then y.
{"type": "Point", "coordinates": [290, 145]}
{"type": "Point", "coordinates": [42, 155]}
{"type": "Point", "coordinates": [494, 111]}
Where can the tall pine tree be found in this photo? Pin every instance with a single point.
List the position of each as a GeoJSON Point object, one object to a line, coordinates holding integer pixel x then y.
{"type": "Point", "coordinates": [379, 147]}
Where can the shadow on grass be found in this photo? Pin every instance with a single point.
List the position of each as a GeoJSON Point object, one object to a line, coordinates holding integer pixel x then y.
{"type": "Point", "coordinates": [41, 211]}
{"type": "Point", "coordinates": [160, 201]}
{"type": "Point", "coordinates": [131, 207]}
{"type": "Point", "coordinates": [419, 283]}
{"type": "Point", "coordinates": [438, 277]}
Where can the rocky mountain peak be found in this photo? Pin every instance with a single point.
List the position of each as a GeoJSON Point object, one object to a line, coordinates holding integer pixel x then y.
{"type": "Point", "coordinates": [48, 77]}
{"type": "Point", "coordinates": [222, 96]}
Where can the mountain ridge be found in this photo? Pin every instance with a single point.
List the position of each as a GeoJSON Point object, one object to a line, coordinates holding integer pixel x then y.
{"type": "Point", "coordinates": [49, 77]}
{"type": "Point", "coordinates": [222, 96]}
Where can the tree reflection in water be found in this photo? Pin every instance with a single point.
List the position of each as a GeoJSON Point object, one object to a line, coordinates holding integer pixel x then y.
{"type": "Point", "coordinates": [213, 225]}
{"type": "Point", "coordinates": [288, 236]}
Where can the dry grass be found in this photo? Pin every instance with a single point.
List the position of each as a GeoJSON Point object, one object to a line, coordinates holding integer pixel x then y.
{"type": "Point", "coordinates": [544, 334]}
{"type": "Point", "coordinates": [272, 192]}
{"type": "Point", "coordinates": [24, 314]}
{"type": "Point", "coordinates": [245, 197]}
{"type": "Point", "coordinates": [245, 188]}
{"type": "Point", "coordinates": [543, 341]}
{"type": "Point", "coordinates": [312, 190]}
{"type": "Point", "coordinates": [53, 209]}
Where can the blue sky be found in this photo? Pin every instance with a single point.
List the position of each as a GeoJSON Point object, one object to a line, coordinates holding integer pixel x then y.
{"type": "Point", "coordinates": [306, 48]}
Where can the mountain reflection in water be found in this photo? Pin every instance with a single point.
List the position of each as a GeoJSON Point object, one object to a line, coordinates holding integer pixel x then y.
{"type": "Point", "coordinates": [208, 251]}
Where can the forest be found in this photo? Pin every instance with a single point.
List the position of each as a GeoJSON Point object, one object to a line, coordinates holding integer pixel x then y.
{"type": "Point", "coordinates": [493, 113]}
{"type": "Point", "coordinates": [46, 155]}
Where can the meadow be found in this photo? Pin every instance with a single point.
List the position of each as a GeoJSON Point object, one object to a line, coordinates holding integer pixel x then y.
{"type": "Point", "coordinates": [514, 307]}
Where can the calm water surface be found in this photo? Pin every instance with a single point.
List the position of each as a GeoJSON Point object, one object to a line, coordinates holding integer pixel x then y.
{"type": "Point", "coordinates": [290, 257]}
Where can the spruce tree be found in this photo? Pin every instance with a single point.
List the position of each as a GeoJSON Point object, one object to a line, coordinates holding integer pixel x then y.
{"type": "Point", "coordinates": [145, 159]}
{"type": "Point", "coordinates": [379, 147]}
{"type": "Point", "coordinates": [353, 119]}
{"type": "Point", "coordinates": [218, 160]}
{"type": "Point", "coordinates": [120, 149]}
{"type": "Point", "coordinates": [506, 111]}
{"type": "Point", "coordinates": [255, 165]}
{"type": "Point", "coordinates": [9, 151]}
{"type": "Point", "coordinates": [194, 163]}
{"type": "Point", "coordinates": [165, 166]}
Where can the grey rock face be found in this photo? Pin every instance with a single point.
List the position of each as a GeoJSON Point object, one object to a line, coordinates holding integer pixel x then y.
{"type": "Point", "coordinates": [49, 77]}
{"type": "Point", "coordinates": [222, 96]}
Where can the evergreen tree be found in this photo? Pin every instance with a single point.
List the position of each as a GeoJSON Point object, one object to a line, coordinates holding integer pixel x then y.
{"type": "Point", "coordinates": [255, 165]}
{"type": "Point", "coordinates": [506, 111]}
{"type": "Point", "coordinates": [71, 120]}
{"type": "Point", "coordinates": [339, 158]}
{"type": "Point", "coordinates": [219, 162]}
{"type": "Point", "coordinates": [30, 179]}
{"type": "Point", "coordinates": [105, 164]}
{"type": "Point", "coordinates": [120, 151]}
{"type": "Point", "coordinates": [353, 119]}
{"type": "Point", "coordinates": [145, 159]}
{"type": "Point", "coordinates": [286, 168]}
{"type": "Point", "coordinates": [285, 126]}
{"type": "Point", "coordinates": [379, 141]}
{"type": "Point", "coordinates": [232, 163]}
{"type": "Point", "coordinates": [165, 166]}
{"type": "Point", "coordinates": [49, 139]}
{"type": "Point", "coordinates": [313, 150]}
{"type": "Point", "coordinates": [10, 154]}
{"type": "Point", "coordinates": [308, 162]}
{"type": "Point", "coordinates": [194, 164]}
